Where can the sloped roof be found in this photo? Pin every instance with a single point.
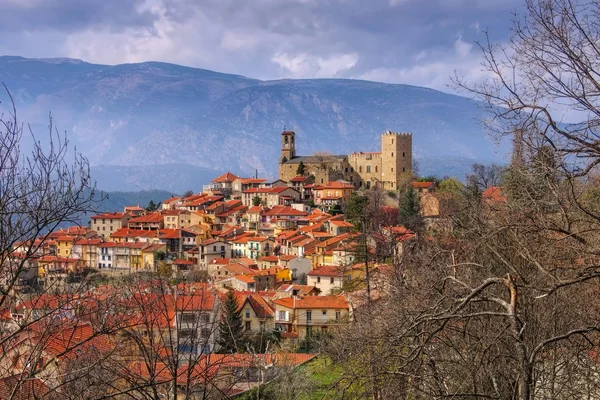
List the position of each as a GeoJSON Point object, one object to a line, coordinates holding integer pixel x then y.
{"type": "Point", "coordinates": [225, 178]}
{"type": "Point", "coordinates": [326, 270]}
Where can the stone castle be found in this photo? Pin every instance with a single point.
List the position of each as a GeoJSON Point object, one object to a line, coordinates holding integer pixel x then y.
{"type": "Point", "coordinates": [387, 168]}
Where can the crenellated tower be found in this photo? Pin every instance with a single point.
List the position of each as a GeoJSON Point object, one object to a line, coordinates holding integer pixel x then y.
{"type": "Point", "coordinates": [396, 159]}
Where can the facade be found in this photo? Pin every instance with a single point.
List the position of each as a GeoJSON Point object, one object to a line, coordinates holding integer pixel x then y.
{"type": "Point", "coordinates": [326, 279]}
{"type": "Point", "coordinates": [388, 168]}
{"type": "Point", "coordinates": [106, 224]}
{"type": "Point", "coordinates": [306, 315]}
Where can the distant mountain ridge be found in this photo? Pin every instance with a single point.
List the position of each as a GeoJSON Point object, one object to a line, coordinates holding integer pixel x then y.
{"type": "Point", "coordinates": [154, 113]}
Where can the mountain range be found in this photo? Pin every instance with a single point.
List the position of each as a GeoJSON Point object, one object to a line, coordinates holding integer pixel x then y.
{"type": "Point", "coordinates": [128, 119]}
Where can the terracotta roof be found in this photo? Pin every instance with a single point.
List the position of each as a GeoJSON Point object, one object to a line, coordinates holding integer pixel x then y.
{"type": "Point", "coordinates": [181, 261]}
{"type": "Point", "coordinates": [341, 223]}
{"type": "Point", "coordinates": [255, 210]}
{"type": "Point", "coordinates": [421, 185]}
{"type": "Point", "coordinates": [252, 180]}
{"type": "Point", "coordinates": [22, 387]}
{"type": "Point", "coordinates": [288, 133]}
{"type": "Point", "coordinates": [171, 200]}
{"type": "Point", "coordinates": [148, 218]}
{"type": "Point", "coordinates": [326, 270]}
{"type": "Point", "coordinates": [335, 185]}
{"type": "Point", "coordinates": [269, 258]}
{"type": "Point", "coordinates": [494, 194]}
{"type": "Point", "coordinates": [239, 269]}
{"type": "Point", "coordinates": [88, 242]}
{"type": "Point", "coordinates": [313, 302]}
{"type": "Point", "coordinates": [302, 289]}
{"type": "Point", "coordinates": [226, 177]}
{"type": "Point", "coordinates": [108, 215]}
{"type": "Point", "coordinates": [244, 278]}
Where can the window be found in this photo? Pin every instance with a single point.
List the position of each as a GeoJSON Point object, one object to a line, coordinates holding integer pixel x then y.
{"type": "Point", "coordinates": [205, 333]}
{"type": "Point", "coordinates": [338, 314]}
{"type": "Point", "coordinates": [222, 248]}
{"type": "Point", "coordinates": [403, 154]}
{"type": "Point", "coordinates": [324, 312]}
{"type": "Point", "coordinates": [318, 279]}
{"type": "Point", "coordinates": [392, 169]}
{"type": "Point", "coordinates": [376, 168]}
{"type": "Point", "coordinates": [392, 141]}
{"type": "Point", "coordinates": [403, 169]}
{"type": "Point", "coordinates": [204, 318]}
{"type": "Point", "coordinates": [247, 325]}
{"type": "Point", "coordinates": [282, 316]}
{"type": "Point", "coordinates": [346, 169]}
{"type": "Point", "coordinates": [111, 228]}
{"type": "Point", "coordinates": [214, 248]}
{"type": "Point", "coordinates": [309, 315]}
{"type": "Point", "coordinates": [247, 313]}
{"type": "Point", "coordinates": [392, 154]}
{"type": "Point", "coordinates": [360, 169]}
{"type": "Point", "coordinates": [103, 228]}
{"type": "Point", "coordinates": [331, 280]}
{"type": "Point", "coordinates": [368, 169]}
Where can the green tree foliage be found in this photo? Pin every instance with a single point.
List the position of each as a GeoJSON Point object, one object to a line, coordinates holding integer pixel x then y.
{"type": "Point", "coordinates": [231, 330]}
{"type": "Point", "coordinates": [301, 169]}
{"type": "Point", "coordinates": [409, 213]}
{"type": "Point", "coordinates": [152, 206]}
{"type": "Point", "coordinates": [256, 201]}
{"type": "Point", "coordinates": [451, 186]}
{"type": "Point", "coordinates": [355, 210]}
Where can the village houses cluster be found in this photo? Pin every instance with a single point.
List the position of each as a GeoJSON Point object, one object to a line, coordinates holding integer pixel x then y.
{"type": "Point", "coordinates": [284, 246]}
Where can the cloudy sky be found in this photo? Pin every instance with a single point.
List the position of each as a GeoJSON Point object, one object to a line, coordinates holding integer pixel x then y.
{"type": "Point", "coordinates": [419, 42]}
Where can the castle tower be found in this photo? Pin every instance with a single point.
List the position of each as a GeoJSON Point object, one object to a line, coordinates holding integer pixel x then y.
{"type": "Point", "coordinates": [288, 146]}
{"type": "Point", "coordinates": [396, 159]}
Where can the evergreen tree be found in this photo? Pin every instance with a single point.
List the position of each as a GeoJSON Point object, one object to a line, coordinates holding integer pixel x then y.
{"type": "Point", "coordinates": [256, 201]}
{"type": "Point", "coordinates": [151, 206]}
{"type": "Point", "coordinates": [409, 213]}
{"type": "Point", "coordinates": [231, 330]}
{"type": "Point", "coordinates": [301, 169]}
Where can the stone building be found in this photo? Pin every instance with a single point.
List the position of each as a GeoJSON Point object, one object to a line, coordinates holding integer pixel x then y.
{"type": "Point", "coordinates": [387, 168]}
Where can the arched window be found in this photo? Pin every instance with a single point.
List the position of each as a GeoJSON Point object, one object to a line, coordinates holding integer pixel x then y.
{"type": "Point", "coordinates": [360, 169]}
{"type": "Point", "coordinates": [376, 168]}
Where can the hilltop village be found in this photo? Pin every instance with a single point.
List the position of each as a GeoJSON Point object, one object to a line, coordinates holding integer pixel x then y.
{"type": "Point", "coordinates": [290, 252]}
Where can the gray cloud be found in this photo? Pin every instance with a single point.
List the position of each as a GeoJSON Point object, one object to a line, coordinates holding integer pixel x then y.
{"type": "Point", "coordinates": [408, 41]}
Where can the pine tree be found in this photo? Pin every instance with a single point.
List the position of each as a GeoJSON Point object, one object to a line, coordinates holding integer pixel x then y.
{"type": "Point", "coordinates": [230, 327]}
{"type": "Point", "coordinates": [256, 201]}
{"type": "Point", "coordinates": [409, 214]}
{"type": "Point", "coordinates": [301, 169]}
{"type": "Point", "coordinates": [151, 206]}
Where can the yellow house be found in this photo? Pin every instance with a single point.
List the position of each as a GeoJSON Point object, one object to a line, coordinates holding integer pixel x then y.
{"type": "Point", "coordinates": [149, 255]}
{"type": "Point", "coordinates": [257, 314]}
{"type": "Point", "coordinates": [64, 245]}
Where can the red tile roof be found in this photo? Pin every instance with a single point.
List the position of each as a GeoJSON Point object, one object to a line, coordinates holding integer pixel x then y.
{"type": "Point", "coordinates": [181, 261]}
{"type": "Point", "coordinates": [226, 177]}
{"type": "Point", "coordinates": [108, 215]}
{"type": "Point", "coordinates": [421, 185]}
{"type": "Point", "coordinates": [326, 270]}
{"type": "Point", "coordinates": [148, 218]}
{"type": "Point", "coordinates": [494, 194]}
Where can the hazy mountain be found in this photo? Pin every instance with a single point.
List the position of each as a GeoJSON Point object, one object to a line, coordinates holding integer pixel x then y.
{"type": "Point", "coordinates": [156, 113]}
{"type": "Point", "coordinates": [176, 178]}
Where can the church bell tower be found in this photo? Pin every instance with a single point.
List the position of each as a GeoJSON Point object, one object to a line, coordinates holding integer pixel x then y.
{"type": "Point", "coordinates": [288, 146]}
